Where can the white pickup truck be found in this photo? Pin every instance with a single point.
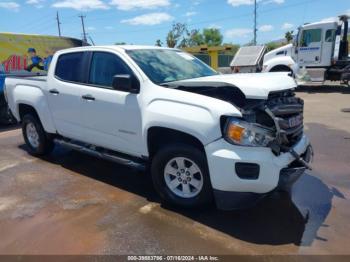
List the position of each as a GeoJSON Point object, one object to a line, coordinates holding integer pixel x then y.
{"type": "Point", "coordinates": [205, 136]}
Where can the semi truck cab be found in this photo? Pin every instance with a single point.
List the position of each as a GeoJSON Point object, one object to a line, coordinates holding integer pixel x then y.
{"type": "Point", "coordinates": [321, 48]}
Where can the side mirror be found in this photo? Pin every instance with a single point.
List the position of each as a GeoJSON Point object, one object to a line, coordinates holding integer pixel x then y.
{"type": "Point", "coordinates": [126, 83]}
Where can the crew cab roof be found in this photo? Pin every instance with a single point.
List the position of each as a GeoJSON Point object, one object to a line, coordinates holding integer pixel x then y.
{"type": "Point", "coordinates": [114, 47]}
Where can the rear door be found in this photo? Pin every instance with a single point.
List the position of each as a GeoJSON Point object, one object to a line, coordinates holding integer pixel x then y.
{"type": "Point", "coordinates": [64, 93]}
{"type": "Point", "coordinates": [112, 118]}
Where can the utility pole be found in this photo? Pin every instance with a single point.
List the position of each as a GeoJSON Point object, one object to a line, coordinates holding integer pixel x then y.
{"type": "Point", "coordinates": [83, 25]}
{"type": "Point", "coordinates": [58, 24]}
{"type": "Point", "coordinates": [255, 29]}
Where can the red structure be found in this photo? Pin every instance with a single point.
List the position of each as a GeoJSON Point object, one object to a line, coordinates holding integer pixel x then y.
{"type": "Point", "coordinates": [15, 63]}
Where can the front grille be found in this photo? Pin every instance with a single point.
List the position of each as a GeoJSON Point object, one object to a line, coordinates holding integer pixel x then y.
{"type": "Point", "coordinates": [288, 111]}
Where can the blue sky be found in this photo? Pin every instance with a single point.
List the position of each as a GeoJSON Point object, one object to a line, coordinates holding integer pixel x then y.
{"type": "Point", "coordinates": [145, 21]}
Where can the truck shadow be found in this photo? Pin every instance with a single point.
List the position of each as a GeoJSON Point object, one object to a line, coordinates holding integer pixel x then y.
{"type": "Point", "coordinates": [278, 219]}
{"type": "Point", "coordinates": [4, 128]}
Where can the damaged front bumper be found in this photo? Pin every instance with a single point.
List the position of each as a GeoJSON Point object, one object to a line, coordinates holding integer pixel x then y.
{"type": "Point", "coordinates": [233, 189]}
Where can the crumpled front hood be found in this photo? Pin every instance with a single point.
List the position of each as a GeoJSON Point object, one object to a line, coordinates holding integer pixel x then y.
{"type": "Point", "coordinates": [253, 86]}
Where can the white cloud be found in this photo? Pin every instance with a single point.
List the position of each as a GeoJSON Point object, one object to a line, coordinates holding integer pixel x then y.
{"type": "Point", "coordinates": [80, 5]}
{"type": "Point", "coordinates": [274, 2]}
{"type": "Point", "coordinates": [251, 2]}
{"type": "Point", "coordinates": [330, 19]}
{"type": "Point", "coordinates": [214, 26]}
{"type": "Point", "coordinates": [139, 4]}
{"type": "Point", "coordinates": [191, 13]}
{"type": "Point", "coordinates": [240, 2]}
{"type": "Point", "coordinates": [148, 19]}
{"type": "Point", "coordinates": [287, 26]}
{"type": "Point", "coordinates": [265, 28]}
{"type": "Point", "coordinates": [238, 33]}
{"type": "Point", "coordinates": [36, 3]}
{"type": "Point", "coordinates": [335, 18]}
{"type": "Point", "coordinates": [33, 2]}
{"type": "Point", "coordinates": [10, 6]}
{"type": "Point", "coordinates": [91, 28]}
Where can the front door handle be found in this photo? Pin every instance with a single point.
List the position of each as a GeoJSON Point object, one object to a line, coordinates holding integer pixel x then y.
{"type": "Point", "coordinates": [88, 97]}
{"type": "Point", "coordinates": [54, 91]}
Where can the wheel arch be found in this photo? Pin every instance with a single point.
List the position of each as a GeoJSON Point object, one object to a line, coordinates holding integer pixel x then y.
{"type": "Point", "coordinates": [24, 108]}
{"type": "Point", "coordinates": [158, 136]}
{"type": "Point", "coordinates": [280, 68]}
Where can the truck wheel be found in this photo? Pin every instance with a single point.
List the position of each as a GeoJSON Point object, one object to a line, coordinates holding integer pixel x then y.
{"type": "Point", "coordinates": [36, 138]}
{"type": "Point", "coordinates": [181, 177]}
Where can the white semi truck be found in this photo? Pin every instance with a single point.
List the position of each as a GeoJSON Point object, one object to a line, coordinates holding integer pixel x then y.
{"type": "Point", "coordinates": [321, 48]}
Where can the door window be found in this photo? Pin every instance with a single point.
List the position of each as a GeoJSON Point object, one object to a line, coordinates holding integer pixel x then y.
{"type": "Point", "coordinates": [310, 36]}
{"type": "Point", "coordinates": [104, 66]}
{"type": "Point", "coordinates": [330, 35]}
{"type": "Point", "coordinates": [69, 67]}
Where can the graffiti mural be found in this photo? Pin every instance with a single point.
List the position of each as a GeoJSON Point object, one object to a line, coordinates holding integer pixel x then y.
{"type": "Point", "coordinates": [21, 53]}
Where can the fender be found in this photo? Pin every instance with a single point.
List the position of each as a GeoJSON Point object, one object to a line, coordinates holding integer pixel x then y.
{"type": "Point", "coordinates": [196, 120]}
{"type": "Point", "coordinates": [33, 96]}
{"type": "Point", "coordinates": [280, 60]}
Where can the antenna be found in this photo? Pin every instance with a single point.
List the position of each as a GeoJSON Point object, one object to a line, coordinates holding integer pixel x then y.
{"type": "Point", "coordinates": [255, 29]}
{"type": "Point", "coordinates": [58, 24]}
{"type": "Point", "coordinates": [83, 26]}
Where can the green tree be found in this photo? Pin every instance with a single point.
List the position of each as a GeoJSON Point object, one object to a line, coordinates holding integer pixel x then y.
{"type": "Point", "coordinates": [289, 36]}
{"type": "Point", "coordinates": [180, 36]}
{"type": "Point", "coordinates": [273, 45]}
{"type": "Point", "coordinates": [175, 34]}
{"type": "Point", "coordinates": [159, 42]}
{"type": "Point", "coordinates": [212, 36]}
{"type": "Point", "coordinates": [196, 38]}
{"type": "Point", "coordinates": [120, 43]}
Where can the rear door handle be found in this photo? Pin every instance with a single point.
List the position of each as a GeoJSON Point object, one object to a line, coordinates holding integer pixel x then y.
{"type": "Point", "coordinates": [54, 91]}
{"type": "Point", "coordinates": [88, 97]}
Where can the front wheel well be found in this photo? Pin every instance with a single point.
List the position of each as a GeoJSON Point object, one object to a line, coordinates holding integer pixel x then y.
{"type": "Point", "coordinates": [157, 137]}
{"type": "Point", "coordinates": [280, 68]}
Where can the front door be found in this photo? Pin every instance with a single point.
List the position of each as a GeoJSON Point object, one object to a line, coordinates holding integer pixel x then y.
{"type": "Point", "coordinates": [112, 118]}
{"type": "Point", "coordinates": [310, 47]}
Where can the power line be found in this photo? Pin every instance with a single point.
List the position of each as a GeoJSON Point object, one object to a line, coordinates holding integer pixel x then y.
{"type": "Point", "coordinates": [44, 20]}
{"type": "Point", "coordinates": [213, 20]}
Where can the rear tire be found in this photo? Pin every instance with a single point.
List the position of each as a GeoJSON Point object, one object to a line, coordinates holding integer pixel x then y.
{"type": "Point", "coordinates": [180, 176]}
{"type": "Point", "coordinates": [38, 141]}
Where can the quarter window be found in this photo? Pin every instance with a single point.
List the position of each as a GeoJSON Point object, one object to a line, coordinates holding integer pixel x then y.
{"type": "Point", "coordinates": [310, 36]}
{"type": "Point", "coordinates": [69, 67]}
{"type": "Point", "coordinates": [104, 67]}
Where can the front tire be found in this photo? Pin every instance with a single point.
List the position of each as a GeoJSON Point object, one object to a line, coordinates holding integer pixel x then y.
{"type": "Point", "coordinates": [180, 176]}
{"type": "Point", "coordinates": [37, 140]}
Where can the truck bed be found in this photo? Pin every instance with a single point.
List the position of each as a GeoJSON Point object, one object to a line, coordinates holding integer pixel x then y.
{"type": "Point", "coordinates": [31, 78]}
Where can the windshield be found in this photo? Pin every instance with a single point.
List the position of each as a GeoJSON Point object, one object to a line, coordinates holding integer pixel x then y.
{"type": "Point", "coordinates": [166, 65]}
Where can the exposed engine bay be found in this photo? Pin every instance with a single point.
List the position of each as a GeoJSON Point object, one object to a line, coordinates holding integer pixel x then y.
{"type": "Point", "coordinates": [282, 111]}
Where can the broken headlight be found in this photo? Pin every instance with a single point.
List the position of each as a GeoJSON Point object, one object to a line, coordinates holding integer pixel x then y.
{"type": "Point", "coordinates": [243, 133]}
